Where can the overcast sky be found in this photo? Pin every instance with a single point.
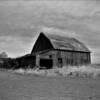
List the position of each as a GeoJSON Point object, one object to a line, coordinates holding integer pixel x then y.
{"type": "Point", "coordinates": [21, 21]}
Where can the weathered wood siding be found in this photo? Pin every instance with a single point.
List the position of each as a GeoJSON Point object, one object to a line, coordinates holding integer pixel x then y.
{"type": "Point", "coordinates": [65, 58]}
{"type": "Point", "coordinates": [47, 55]}
{"type": "Point", "coordinates": [26, 61]}
{"type": "Point", "coordinates": [73, 58]}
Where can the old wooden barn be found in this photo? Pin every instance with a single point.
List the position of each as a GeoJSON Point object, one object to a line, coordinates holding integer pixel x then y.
{"type": "Point", "coordinates": [58, 51]}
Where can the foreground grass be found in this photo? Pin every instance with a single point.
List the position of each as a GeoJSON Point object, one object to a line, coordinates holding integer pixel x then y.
{"type": "Point", "coordinates": [72, 71]}
{"type": "Point", "coordinates": [32, 87]}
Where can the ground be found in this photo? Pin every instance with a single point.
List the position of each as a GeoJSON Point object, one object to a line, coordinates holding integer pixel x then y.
{"type": "Point", "coordinates": [29, 87]}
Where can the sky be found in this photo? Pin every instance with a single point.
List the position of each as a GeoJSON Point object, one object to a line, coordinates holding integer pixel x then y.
{"type": "Point", "coordinates": [21, 21]}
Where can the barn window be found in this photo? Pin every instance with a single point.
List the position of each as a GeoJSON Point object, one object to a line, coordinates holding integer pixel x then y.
{"type": "Point", "coordinates": [60, 62]}
{"type": "Point", "coordinates": [50, 56]}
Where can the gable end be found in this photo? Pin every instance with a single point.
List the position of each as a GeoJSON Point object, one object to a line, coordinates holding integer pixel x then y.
{"type": "Point", "coordinates": [42, 43]}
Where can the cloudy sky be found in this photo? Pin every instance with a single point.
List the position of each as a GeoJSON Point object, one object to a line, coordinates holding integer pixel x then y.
{"type": "Point", "coordinates": [21, 22]}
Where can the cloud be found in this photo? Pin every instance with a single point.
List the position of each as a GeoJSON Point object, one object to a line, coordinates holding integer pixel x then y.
{"type": "Point", "coordinates": [15, 46]}
{"type": "Point", "coordinates": [52, 30]}
{"type": "Point", "coordinates": [21, 21]}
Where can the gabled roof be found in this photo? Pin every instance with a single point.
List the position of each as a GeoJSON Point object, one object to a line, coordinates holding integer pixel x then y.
{"type": "Point", "coordinates": [66, 43]}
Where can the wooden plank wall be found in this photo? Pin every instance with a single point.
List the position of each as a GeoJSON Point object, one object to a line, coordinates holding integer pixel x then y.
{"type": "Point", "coordinates": [73, 58]}
{"type": "Point", "coordinates": [68, 57]}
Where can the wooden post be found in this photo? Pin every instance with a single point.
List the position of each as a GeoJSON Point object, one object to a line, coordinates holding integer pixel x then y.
{"type": "Point", "coordinates": [55, 60]}
{"type": "Point", "coordinates": [37, 60]}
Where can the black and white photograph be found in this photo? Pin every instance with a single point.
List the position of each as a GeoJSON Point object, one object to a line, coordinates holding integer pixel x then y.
{"type": "Point", "coordinates": [49, 49]}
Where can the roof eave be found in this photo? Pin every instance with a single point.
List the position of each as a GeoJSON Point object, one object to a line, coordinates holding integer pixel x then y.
{"type": "Point", "coordinates": [72, 50]}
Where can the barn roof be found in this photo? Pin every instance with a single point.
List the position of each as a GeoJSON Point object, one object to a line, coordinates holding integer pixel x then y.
{"type": "Point", "coordinates": [66, 43]}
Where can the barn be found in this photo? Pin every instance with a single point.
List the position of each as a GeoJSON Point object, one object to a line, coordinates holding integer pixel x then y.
{"type": "Point", "coordinates": [57, 51]}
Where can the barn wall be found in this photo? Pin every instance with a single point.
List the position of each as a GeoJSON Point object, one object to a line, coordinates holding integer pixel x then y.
{"type": "Point", "coordinates": [65, 58]}
{"type": "Point", "coordinates": [73, 58]}
{"type": "Point", "coordinates": [47, 55]}
{"type": "Point", "coordinates": [26, 61]}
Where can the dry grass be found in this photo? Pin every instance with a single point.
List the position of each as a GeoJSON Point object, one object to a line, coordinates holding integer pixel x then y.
{"type": "Point", "coordinates": [27, 86]}
{"type": "Point", "coordinates": [31, 87]}
{"type": "Point", "coordinates": [72, 71]}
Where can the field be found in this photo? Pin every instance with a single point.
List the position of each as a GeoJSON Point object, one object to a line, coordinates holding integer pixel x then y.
{"type": "Point", "coordinates": [14, 86]}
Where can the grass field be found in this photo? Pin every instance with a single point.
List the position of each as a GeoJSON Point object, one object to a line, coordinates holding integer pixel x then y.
{"type": "Point", "coordinates": [32, 87]}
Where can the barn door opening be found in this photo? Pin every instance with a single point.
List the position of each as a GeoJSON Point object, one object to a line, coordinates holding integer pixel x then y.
{"type": "Point", "coordinates": [47, 63]}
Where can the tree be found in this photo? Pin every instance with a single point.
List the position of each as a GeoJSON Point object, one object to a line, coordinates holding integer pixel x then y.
{"type": "Point", "coordinates": [3, 55]}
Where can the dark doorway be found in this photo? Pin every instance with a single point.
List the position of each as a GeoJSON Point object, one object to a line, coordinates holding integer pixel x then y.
{"type": "Point", "coordinates": [48, 63]}
{"type": "Point", "coordinates": [60, 62]}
